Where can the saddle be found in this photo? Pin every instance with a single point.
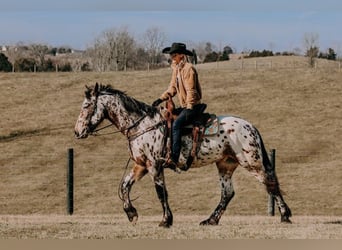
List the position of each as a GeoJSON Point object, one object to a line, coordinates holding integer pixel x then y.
{"type": "Point", "coordinates": [203, 124]}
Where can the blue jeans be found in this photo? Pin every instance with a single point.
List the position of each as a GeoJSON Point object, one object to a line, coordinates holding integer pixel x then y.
{"type": "Point", "coordinates": [185, 117]}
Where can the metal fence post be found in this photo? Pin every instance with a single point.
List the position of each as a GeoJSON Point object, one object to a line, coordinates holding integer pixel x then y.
{"type": "Point", "coordinates": [70, 182]}
{"type": "Point", "coordinates": [270, 206]}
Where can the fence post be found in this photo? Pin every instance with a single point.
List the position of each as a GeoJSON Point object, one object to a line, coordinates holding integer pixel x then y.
{"type": "Point", "coordinates": [70, 182]}
{"type": "Point", "coordinates": [270, 207]}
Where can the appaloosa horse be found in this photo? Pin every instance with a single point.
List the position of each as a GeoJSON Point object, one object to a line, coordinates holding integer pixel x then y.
{"type": "Point", "coordinates": [237, 143]}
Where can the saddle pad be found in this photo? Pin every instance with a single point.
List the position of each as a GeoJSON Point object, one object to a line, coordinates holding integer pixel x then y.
{"type": "Point", "coordinates": [212, 126]}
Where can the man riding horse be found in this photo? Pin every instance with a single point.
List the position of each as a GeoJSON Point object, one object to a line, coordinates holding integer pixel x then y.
{"type": "Point", "coordinates": [185, 83]}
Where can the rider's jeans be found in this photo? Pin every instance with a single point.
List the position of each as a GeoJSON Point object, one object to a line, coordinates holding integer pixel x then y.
{"type": "Point", "coordinates": [186, 117]}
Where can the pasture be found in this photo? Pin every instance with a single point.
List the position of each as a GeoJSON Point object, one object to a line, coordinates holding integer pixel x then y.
{"type": "Point", "coordinates": [297, 111]}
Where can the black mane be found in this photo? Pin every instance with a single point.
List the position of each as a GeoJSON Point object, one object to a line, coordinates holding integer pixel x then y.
{"type": "Point", "coordinates": [131, 105]}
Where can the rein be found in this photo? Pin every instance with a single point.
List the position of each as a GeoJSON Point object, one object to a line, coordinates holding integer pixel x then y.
{"type": "Point", "coordinates": [129, 137]}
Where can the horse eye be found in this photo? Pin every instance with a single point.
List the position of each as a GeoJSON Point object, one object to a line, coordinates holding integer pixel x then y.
{"type": "Point", "coordinates": [86, 105]}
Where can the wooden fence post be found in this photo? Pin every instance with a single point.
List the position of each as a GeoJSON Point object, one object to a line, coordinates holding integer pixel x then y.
{"type": "Point", "coordinates": [270, 207]}
{"type": "Point", "coordinates": [70, 182]}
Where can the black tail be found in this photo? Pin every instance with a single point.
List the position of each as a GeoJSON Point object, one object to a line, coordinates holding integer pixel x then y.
{"type": "Point", "coordinates": [271, 181]}
{"type": "Point", "coordinates": [265, 159]}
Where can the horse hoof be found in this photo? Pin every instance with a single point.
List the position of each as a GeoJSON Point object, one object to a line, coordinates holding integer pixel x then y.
{"type": "Point", "coordinates": [209, 222]}
{"type": "Point", "coordinates": [164, 224]}
{"type": "Point", "coordinates": [131, 214]}
{"type": "Point", "coordinates": [286, 220]}
{"type": "Point", "coordinates": [134, 220]}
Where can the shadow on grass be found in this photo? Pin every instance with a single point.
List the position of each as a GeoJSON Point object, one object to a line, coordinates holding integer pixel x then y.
{"type": "Point", "coordinates": [27, 133]}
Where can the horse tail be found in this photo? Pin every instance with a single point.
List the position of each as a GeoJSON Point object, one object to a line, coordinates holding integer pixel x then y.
{"type": "Point", "coordinates": [271, 180]}
{"type": "Point", "coordinates": [265, 159]}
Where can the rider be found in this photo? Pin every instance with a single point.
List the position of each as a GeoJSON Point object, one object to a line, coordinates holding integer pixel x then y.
{"type": "Point", "coordinates": [184, 82]}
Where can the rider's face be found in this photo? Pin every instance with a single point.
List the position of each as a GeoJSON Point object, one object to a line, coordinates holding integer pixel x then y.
{"type": "Point", "coordinates": [176, 57]}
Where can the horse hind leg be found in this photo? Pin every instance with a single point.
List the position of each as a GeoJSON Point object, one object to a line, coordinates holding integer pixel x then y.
{"type": "Point", "coordinates": [263, 170]}
{"type": "Point", "coordinates": [272, 187]}
{"type": "Point", "coordinates": [226, 168]}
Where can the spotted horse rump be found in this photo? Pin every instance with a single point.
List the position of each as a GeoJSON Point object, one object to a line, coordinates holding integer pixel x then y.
{"type": "Point", "coordinates": [237, 143]}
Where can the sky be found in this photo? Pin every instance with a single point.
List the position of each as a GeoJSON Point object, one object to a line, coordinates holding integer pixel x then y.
{"type": "Point", "coordinates": [241, 24]}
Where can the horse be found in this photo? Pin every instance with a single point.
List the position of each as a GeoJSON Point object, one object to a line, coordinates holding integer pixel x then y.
{"type": "Point", "coordinates": [236, 143]}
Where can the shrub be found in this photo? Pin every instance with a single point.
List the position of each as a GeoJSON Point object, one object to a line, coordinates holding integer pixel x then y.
{"type": "Point", "coordinates": [25, 64]}
{"type": "Point", "coordinates": [5, 65]}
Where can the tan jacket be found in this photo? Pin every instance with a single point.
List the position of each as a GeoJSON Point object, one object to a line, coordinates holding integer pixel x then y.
{"type": "Point", "coordinates": [184, 82]}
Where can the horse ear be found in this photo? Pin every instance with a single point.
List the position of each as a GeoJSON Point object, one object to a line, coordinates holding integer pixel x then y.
{"type": "Point", "coordinates": [87, 92]}
{"type": "Point", "coordinates": [96, 89]}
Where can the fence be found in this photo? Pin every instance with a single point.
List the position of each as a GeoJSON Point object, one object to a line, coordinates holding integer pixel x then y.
{"type": "Point", "coordinates": [276, 64]}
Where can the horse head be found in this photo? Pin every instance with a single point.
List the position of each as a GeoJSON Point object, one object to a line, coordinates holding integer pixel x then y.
{"type": "Point", "coordinates": [92, 113]}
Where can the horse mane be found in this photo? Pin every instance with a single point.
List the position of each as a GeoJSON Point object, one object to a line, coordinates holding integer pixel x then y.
{"type": "Point", "coordinates": [131, 105]}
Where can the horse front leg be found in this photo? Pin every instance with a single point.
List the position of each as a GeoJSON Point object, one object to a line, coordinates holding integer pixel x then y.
{"type": "Point", "coordinates": [159, 183]}
{"type": "Point", "coordinates": [136, 174]}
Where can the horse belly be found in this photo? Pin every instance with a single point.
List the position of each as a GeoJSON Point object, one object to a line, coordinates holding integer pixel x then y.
{"type": "Point", "coordinates": [236, 140]}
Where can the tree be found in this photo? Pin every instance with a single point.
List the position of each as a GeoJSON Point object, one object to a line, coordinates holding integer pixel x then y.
{"type": "Point", "coordinates": [208, 48]}
{"type": "Point", "coordinates": [154, 40]}
{"type": "Point", "coordinates": [5, 65]}
{"type": "Point", "coordinates": [113, 50]}
{"type": "Point", "coordinates": [228, 50]}
{"type": "Point", "coordinates": [331, 54]}
{"type": "Point", "coordinates": [211, 57]}
{"type": "Point", "coordinates": [25, 64]}
{"type": "Point", "coordinates": [39, 51]}
{"type": "Point", "coordinates": [310, 41]}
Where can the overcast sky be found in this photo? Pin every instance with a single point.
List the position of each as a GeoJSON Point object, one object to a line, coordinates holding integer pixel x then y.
{"type": "Point", "coordinates": [242, 24]}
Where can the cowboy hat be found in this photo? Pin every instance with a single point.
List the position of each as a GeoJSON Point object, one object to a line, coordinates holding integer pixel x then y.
{"type": "Point", "coordinates": [179, 48]}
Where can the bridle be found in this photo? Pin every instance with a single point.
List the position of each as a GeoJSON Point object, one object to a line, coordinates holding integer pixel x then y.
{"type": "Point", "coordinates": [126, 130]}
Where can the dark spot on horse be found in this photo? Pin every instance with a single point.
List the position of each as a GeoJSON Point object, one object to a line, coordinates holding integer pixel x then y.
{"type": "Point", "coordinates": [207, 140]}
{"type": "Point", "coordinates": [244, 150]}
{"type": "Point", "coordinates": [236, 121]}
{"type": "Point", "coordinates": [230, 131]}
{"type": "Point", "coordinates": [219, 146]}
{"type": "Point", "coordinates": [245, 136]}
{"type": "Point", "coordinates": [221, 131]}
{"type": "Point", "coordinates": [225, 137]}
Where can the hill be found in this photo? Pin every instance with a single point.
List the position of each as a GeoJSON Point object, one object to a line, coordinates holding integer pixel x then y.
{"type": "Point", "coordinates": [296, 109]}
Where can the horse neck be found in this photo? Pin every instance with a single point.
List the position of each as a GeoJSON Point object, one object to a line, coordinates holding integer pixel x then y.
{"type": "Point", "coordinates": [118, 114]}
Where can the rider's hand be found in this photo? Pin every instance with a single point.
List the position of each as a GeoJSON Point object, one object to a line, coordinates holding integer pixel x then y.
{"type": "Point", "coordinates": [157, 102]}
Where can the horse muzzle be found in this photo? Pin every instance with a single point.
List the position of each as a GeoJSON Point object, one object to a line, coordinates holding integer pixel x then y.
{"type": "Point", "coordinates": [82, 135]}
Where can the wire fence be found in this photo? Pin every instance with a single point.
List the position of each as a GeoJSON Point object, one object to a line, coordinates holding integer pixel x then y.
{"type": "Point", "coordinates": [269, 64]}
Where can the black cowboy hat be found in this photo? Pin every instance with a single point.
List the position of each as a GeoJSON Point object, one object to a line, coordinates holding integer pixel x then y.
{"type": "Point", "coordinates": [179, 48]}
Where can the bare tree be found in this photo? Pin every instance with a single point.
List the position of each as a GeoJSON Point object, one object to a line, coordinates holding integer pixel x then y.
{"type": "Point", "coordinates": [113, 50]}
{"type": "Point", "coordinates": [154, 40]}
{"type": "Point", "coordinates": [311, 46]}
{"type": "Point", "coordinates": [39, 51]}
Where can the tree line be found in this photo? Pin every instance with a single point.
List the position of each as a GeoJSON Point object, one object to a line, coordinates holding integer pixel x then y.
{"type": "Point", "coordinates": [116, 49]}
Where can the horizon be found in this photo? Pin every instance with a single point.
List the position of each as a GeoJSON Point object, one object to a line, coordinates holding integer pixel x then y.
{"type": "Point", "coordinates": [267, 25]}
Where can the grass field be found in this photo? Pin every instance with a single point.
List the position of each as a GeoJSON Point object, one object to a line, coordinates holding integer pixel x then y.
{"type": "Point", "coordinates": [186, 227]}
{"type": "Point", "coordinates": [297, 110]}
